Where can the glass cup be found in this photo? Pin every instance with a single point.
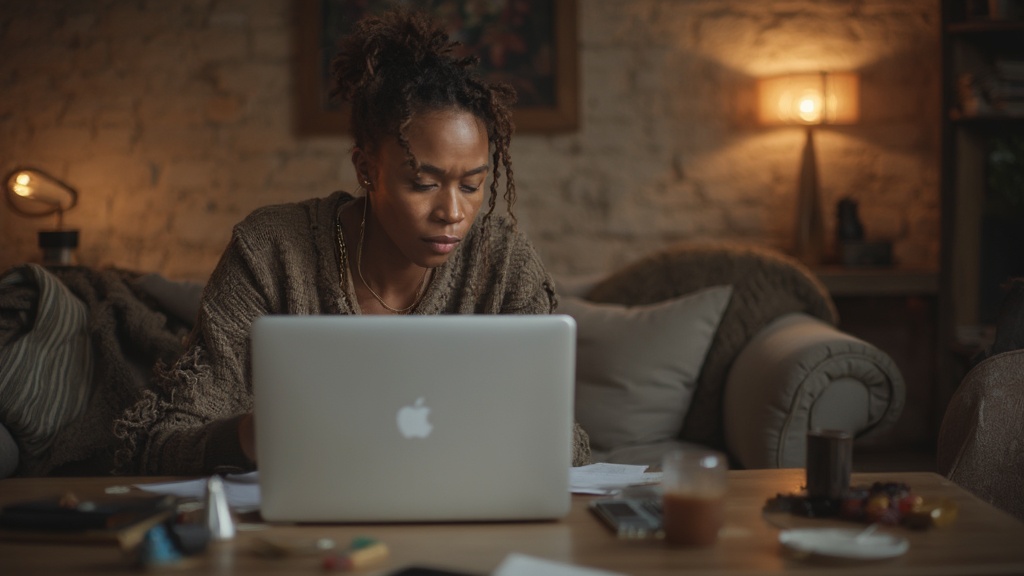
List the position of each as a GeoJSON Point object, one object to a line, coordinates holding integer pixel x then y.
{"type": "Point", "coordinates": [829, 463]}
{"type": "Point", "coordinates": [693, 498]}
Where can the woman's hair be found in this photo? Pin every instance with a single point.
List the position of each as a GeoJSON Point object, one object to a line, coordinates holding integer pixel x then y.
{"type": "Point", "coordinates": [401, 63]}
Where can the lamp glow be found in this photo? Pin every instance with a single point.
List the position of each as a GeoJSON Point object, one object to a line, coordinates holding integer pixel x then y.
{"type": "Point", "coordinates": [809, 108]}
{"type": "Point", "coordinates": [823, 98]}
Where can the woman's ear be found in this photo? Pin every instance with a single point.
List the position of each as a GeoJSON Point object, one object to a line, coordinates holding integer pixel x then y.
{"type": "Point", "coordinates": [363, 164]}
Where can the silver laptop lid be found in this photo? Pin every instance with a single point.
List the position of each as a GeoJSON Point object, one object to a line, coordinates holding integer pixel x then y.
{"type": "Point", "coordinates": [413, 418]}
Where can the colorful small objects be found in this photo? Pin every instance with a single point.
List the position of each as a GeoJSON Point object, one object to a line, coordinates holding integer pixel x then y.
{"type": "Point", "coordinates": [158, 548]}
{"type": "Point", "coordinates": [932, 514]}
{"type": "Point", "coordinates": [361, 552]}
{"type": "Point", "coordinates": [886, 503]}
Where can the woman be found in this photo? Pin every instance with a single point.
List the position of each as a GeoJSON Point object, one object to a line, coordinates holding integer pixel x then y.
{"type": "Point", "coordinates": [428, 131]}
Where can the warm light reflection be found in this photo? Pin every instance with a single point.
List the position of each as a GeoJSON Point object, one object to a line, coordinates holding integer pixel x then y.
{"type": "Point", "coordinates": [23, 185]}
{"type": "Point", "coordinates": [824, 98]}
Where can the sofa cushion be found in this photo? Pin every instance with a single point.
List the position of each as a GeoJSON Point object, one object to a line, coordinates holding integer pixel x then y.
{"type": "Point", "coordinates": [46, 369]}
{"type": "Point", "coordinates": [637, 367]}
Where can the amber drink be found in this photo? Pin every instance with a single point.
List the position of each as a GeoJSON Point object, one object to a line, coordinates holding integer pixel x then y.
{"type": "Point", "coordinates": [693, 500]}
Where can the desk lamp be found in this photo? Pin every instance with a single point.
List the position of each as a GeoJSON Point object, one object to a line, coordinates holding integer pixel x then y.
{"type": "Point", "coordinates": [34, 193]}
{"type": "Point", "coordinates": [809, 100]}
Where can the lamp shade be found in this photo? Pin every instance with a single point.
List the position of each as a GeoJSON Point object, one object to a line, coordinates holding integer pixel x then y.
{"type": "Point", "coordinates": [809, 99]}
{"type": "Point", "coordinates": [32, 192]}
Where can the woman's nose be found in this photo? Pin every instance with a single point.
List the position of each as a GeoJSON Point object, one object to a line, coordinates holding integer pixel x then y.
{"type": "Point", "coordinates": [449, 208]}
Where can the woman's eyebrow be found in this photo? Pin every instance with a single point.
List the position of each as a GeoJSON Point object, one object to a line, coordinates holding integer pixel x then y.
{"type": "Point", "coordinates": [437, 171]}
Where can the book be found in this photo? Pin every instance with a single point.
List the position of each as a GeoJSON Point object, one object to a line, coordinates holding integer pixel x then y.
{"type": "Point", "coordinates": [122, 521]}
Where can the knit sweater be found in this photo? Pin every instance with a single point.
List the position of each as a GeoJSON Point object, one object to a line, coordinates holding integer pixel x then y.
{"type": "Point", "coordinates": [284, 259]}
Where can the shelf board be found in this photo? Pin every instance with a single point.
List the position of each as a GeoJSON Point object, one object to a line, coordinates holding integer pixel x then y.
{"type": "Point", "coordinates": [985, 26]}
{"type": "Point", "coordinates": [842, 281]}
{"type": "Point", "coordinates": [986, 118]}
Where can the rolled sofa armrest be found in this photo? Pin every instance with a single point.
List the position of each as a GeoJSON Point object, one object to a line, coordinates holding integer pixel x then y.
{"type": "Point", "coordinates": [800, 373]}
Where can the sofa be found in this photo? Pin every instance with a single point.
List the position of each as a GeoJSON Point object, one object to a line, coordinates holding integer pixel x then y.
{"type": "Point", "coordinates": [728, 346]}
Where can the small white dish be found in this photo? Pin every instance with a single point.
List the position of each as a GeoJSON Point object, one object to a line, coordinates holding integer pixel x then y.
{"type": "Point", "coordinates": [844, 543]}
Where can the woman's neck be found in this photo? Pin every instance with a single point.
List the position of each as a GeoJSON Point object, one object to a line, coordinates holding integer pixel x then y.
{"type": "Point", "coordinates": [378, 267]}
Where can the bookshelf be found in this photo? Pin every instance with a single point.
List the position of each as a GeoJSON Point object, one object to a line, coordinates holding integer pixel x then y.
{"type": "Point", "coordinates": [982, 180]}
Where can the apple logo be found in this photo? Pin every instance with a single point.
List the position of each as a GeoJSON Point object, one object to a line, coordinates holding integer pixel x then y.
{"type": "Point", "coordinates": [412, 420]}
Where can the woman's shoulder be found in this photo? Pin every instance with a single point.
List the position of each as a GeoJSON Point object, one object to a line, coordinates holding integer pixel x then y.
{"type": "Point", "coordinates": [502, 239]}
{"type": "Point", "coordinates": [291, 217]}
{"type": "Point", "coordinates": [498, 228]}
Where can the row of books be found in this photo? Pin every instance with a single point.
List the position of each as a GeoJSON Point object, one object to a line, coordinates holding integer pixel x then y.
{"type": "Point", "coordinates": [995, 91]}
{"type": "Point", "coordinates": [1007, 87]}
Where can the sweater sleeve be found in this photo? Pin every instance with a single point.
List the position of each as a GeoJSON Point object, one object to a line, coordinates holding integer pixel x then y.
{"type": "Point", "coordinates": [189, 424]}
{"type": "Point", "coordinates": [528, 288]}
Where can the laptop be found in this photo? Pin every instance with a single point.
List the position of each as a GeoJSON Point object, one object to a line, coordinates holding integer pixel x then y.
{"type": "Point", "coordinates": [413, 418]}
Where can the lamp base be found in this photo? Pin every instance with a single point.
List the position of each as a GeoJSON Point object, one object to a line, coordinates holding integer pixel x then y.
{"type": "Point", "coordinates": [58, 247]}
{"type": "Point", "coordinates": [810, 235]}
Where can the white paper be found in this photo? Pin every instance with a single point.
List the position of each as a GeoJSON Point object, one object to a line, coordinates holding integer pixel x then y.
{"type": "Point", "coordinates": [606, 478]}
{"type": "Point", "coordinates": [516, 564]}
{"type": "Point", "coordinates": [242, 490]}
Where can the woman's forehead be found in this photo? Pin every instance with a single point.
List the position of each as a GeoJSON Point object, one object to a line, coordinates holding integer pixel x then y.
{"type": "Point", "coordinates": [439, 137]}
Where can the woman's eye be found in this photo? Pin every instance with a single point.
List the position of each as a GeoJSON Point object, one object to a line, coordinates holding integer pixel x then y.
{"type": "Point", "coordinates": [421, 187]}
{"type": "Point", "coordinates": [470, 188]}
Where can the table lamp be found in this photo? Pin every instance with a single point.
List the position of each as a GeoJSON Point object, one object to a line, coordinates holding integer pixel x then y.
{"type": "Point", "coordinates": [809, 100]}
{"type": "Point", "coordinates": [34, 193]}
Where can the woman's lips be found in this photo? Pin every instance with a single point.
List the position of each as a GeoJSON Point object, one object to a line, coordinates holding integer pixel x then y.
{"type": "Point", "coordinates": [442, 244]}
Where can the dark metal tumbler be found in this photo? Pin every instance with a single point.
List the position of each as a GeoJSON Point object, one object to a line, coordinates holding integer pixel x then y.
{"type": "Point", "coordinates": [829, 463]}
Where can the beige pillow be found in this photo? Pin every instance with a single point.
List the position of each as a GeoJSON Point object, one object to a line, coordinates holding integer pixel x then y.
{"type": "Point", "coordinates": [637, 367]}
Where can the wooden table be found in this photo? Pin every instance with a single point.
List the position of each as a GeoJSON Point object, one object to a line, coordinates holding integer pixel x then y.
{"type": "Point", "coordinates": [983, 540]}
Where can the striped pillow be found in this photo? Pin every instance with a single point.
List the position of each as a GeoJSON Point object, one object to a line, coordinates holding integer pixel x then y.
{"type": "Point", "coordinates": [46, 374]}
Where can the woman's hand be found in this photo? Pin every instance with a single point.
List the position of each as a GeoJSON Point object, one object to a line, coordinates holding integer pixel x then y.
{"type": "Point", "coordinates": [247, 436]}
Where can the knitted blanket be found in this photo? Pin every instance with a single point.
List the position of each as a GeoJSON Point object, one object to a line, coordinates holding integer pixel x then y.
{"type": "Point", "coordinates": [128, 333]}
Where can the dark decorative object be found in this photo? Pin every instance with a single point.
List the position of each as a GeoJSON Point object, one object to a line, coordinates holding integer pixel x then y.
{"type": "Point", "coordinates": [849, 226]}
{"type": "Point", "coordinates": [853, 249]}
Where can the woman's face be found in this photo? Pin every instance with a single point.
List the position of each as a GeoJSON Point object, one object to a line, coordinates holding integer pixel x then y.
{"type": "Point", "coordinates": [427, 212]}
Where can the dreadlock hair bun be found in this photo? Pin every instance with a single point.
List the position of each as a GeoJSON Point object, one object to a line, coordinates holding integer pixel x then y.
{"type": "Point", "coordinates": [401, 62]}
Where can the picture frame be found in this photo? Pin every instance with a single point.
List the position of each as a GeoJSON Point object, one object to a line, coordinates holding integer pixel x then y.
{"type": "Point", "coordinates": [539, 59]}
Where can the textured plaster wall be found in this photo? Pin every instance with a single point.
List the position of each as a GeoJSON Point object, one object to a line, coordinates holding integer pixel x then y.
{"type": "Point", "coordinates": [173, 120]}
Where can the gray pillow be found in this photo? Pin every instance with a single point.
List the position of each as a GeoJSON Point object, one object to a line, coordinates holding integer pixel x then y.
{"type": "Point", "coordinates": [637, 367]}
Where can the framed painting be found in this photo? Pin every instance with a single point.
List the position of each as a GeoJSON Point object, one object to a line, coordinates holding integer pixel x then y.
{"type": "Point", "coordinates": [531, 44]}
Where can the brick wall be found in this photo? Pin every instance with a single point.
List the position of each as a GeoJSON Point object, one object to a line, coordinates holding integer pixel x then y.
{"type": "Point", "coordinates": [173, 121]}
